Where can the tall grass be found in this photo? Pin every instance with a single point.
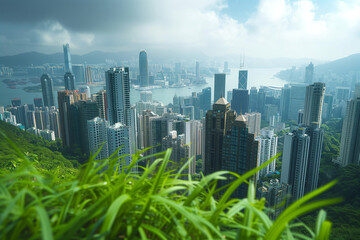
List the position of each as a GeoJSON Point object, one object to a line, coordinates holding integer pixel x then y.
{"type": "Point", "coordinates": [155, 204]}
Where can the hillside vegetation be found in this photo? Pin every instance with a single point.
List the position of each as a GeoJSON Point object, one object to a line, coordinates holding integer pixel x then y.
{"type": "Point", "coordinates": [99, 202]}
{"type": "Point", "coordinates": [46, 156]}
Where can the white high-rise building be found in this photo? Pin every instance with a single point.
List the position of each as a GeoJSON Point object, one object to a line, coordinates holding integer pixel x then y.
{"type": "Point", "coordinates": [118, 95]}
{"type": "Point", "coordinates": [254, 122]}
{"type": "Point", "coordinates": [97, 134]}
{"type": "Point", "coordinates": [134, 131]}
{"type": "Point", "coordinates": [268, 149]}
{"type": "Point", "coordinates": [119, 138]}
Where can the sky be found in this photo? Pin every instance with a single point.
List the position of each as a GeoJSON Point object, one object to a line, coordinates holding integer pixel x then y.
{"type": "Point", "coordinates": [323, 29]}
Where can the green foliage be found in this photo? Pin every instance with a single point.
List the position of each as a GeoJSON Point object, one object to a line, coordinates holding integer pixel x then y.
{"type": "Point", "coordinates": [46, 155]}
{"type": "Point", "coordinates": [107, 203]}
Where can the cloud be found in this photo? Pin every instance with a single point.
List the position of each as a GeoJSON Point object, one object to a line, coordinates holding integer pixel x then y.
{"type": "Point", "coordinates": [278, 28]}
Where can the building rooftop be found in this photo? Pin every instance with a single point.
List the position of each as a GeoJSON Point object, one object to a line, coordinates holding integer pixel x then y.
{"type": "Point", "coordinates": [240, 118]}
{"type": "Point", "coordinates": [222, 101]}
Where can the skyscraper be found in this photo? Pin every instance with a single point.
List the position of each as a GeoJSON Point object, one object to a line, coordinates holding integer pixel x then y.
{"type": "Point", "coordinates": [314, 99]}
{"type": "Point", "coordinates": [296, 100]}
{"type": "Point", "coordinates": [268, 149]}
{"type": "Point", "coordinates": [254, 122]}
{"type": "Point", "coordinates": [69, 121]}
{"type": "Point", "coordinates": [313, 165]}
{"type": "Point", "coordinates": [239, 153]}
{"type": "Point", "coordinates": [119, 139]}
{"type": "Point", "coordinates": [294, 161]}
{"type": "Point", "coordinates": [67, 58]}
{"type": "Point", "coordinates": [243, 75]}
{"type": "Point", "coordinates": [240, 101]}
{"type": "Point", "coordinates": [253, 100]}
{"type": "Point", "coordinates": [217, 122]}
{"type": "Point", "coordinates": [118, 95]}
{"type": "Point", "coordinates": [143, 69]}
{"type": "Point", "coordinates": [350, 135]}
{"type": "Point", "coordinates": [309, 73]}
{"type": "Point", "coordinates": [180, 152]}
{"type": "Point", "coordinates": [205, 99]}
{"type": "Point", "coordinates": [219, 86]}
{"type": "Point", "coordinates": [47, 91]}
{"type": "Point", "coordinates": [97, 132]}
{"type": "Point", "coordinates": [86, 110]}
{"type": "Point", "coordinates": [100, 98]}
{"type": "Point", "coordinates": [327, 106]}
{"type": "Point", "coordinates": [69, 81]}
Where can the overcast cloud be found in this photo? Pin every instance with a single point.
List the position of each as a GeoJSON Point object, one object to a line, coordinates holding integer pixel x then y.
{"type": "Point", "coordinates": [277, 28]}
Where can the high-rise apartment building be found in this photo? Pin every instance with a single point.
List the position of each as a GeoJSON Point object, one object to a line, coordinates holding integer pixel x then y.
{"type": "Point", "coordinates": [69, 81]}
{"type": "Point", "coordinates": [350, 135]}
{"type": "Point", "coordinates": [268, 149]}
{"type": "Point", "coordinates": [327, 106]}
{"type": "Point", "coordinates": [253, 122]}
{"type": "Point", "coordinates": [97, 132]}
{"type": "Point", "coordinates": [47, 90]}
{"type": "Point", "coordinates": [119, 140]}
{"type": "Point", "coordinates": [313, 105]}
{"type": "Point", "coordinates": [180, 151]}
{"type": "Point", "coordinates": [143, 69]}
{"type": "Point", "coordinates": [316, 135]}
{"type": "Point", "coordinates": [118, 95]}
{"type": "Point", "coordinates": [67, 58]}
{"type": "Point", "coordinates": [294, 161]}
{"type": "Point", "coordinates": [100, 99]}
{"type": "Point", "coordinates": [243, 76]}
{"type": "Point", "coordinates": [219, 86]}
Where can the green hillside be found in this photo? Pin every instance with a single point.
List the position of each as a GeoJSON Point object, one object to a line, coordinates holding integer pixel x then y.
{"type": "Point", "coordinates": [47, 156]}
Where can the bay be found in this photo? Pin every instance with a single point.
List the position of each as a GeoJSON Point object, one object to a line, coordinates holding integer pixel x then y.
{"type": "Point", "coordinates": [256, 77]}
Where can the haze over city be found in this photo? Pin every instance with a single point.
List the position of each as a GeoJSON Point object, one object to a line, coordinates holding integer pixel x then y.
{"type": "Point", "coordinates": [322, 29]}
